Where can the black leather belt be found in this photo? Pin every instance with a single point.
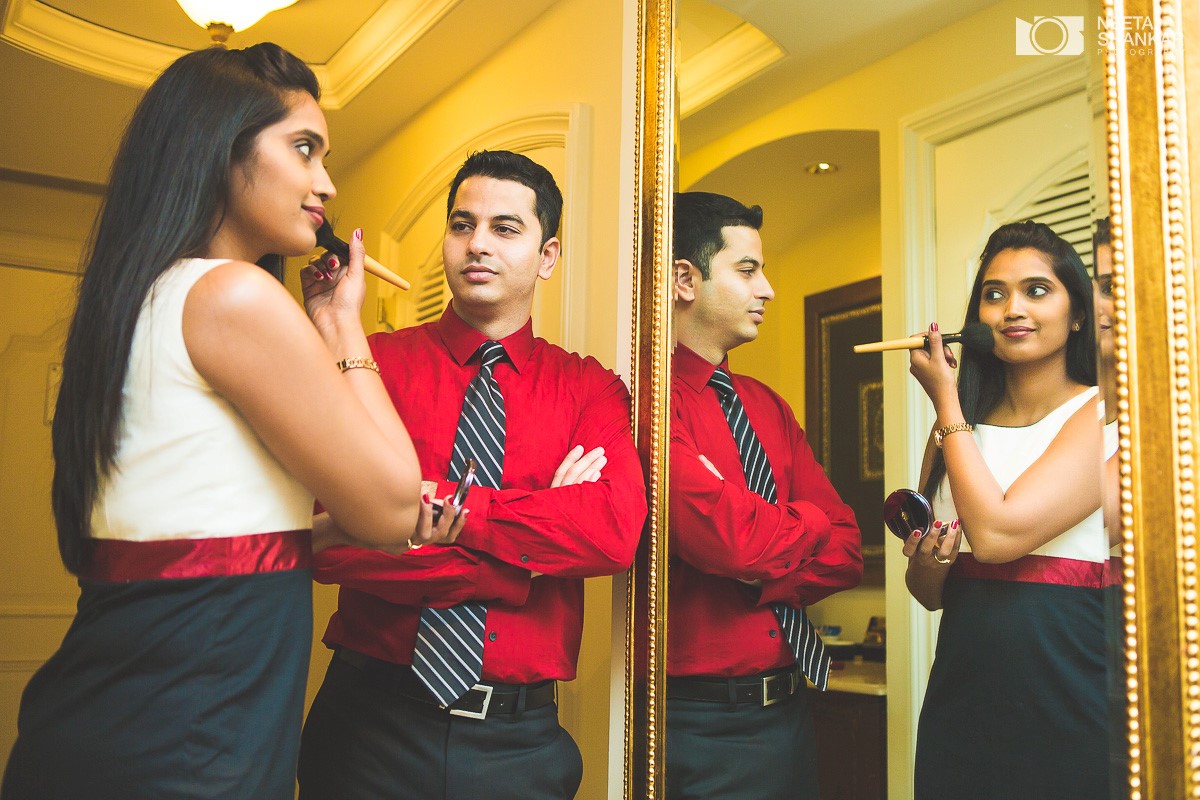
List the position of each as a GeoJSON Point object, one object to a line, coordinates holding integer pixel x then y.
{"type": "Point", "coordinates": [480, 702]}
{"type": "Point", "coordinates": [764, 690]}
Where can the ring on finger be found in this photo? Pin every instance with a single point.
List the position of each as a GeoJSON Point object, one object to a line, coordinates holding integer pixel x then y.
{"type": "Point", "coordinates": [941, 560]}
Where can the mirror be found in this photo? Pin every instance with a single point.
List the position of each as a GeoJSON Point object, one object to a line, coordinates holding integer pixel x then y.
{"type": "Point", "coordinates": [907, 513]}
{"type": "Point", "coordinates": [935, 130]}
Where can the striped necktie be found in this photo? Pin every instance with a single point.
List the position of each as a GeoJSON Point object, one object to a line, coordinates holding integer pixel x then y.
{"type": "Point", "coordinates": [798, 630]}
{"type": "Point", "coordinates": [448, 655]}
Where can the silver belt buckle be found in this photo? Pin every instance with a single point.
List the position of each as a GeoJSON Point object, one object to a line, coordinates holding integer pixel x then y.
{"type": "Point", "coordinates": [481, 713]}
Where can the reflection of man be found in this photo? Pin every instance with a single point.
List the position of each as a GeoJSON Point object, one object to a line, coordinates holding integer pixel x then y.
{"type": "Point", "coordinates": [501, 607]}
{"type": "Point", "coordinates": [757, 533]}
{"type": "Point", "coordinates": [1102, 260]}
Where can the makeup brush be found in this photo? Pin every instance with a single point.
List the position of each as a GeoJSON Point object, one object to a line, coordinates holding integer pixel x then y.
{"type": "Point", "coordinates": [328, 239]}
{"type": "Point", "coordinates": [976, 336]}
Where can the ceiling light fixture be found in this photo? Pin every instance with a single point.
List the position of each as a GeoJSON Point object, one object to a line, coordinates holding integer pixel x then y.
{"type": "Point", "coordinates": [820, 168]}
{"type": "Point", "coordinates": [223, 17]}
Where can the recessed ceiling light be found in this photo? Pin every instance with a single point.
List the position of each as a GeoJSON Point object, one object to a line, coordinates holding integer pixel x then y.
{"type": "Point", "coordinates": [820, 168]}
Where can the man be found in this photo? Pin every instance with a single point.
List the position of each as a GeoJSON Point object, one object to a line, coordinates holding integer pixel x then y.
{"type": "Point", "coordinates": [560, 497]}
{"type": "Point", "coordinates": [757, 533]}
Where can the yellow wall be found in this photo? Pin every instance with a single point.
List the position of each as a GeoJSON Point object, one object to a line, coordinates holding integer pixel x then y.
{"type": "Point", "coordinates": [37, 596]}
{"type": "Point", "coordinates": [42, 231]}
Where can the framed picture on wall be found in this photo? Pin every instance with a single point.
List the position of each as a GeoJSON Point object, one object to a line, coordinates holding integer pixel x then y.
{"type": "Point", "coordinates": [844, 405]}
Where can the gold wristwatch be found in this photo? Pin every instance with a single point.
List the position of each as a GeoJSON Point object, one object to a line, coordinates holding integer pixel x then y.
{"type": "Point", "coordinates": [942, 433]}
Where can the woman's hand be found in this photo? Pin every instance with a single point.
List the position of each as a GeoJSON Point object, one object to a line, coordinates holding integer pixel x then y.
{"type": "Point", "coordinates": [447, 527]}
{"type": "Point", "coordinates": [333, 291]}
{"type": "Point", "coordinates": [936, 550]}
{"type": "Point", "coordinates": [934, 369]}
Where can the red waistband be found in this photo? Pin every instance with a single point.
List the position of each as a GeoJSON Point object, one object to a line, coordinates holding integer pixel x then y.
{"type": "Point", "coordinates": [121, 561]}
{"type": "Point", "coordinates": [1036, 569]}
{"type": "Point", "coordinates": [1114, 572]}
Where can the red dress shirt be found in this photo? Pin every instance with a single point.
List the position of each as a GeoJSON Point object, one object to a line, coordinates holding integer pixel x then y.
{"type": "Point", "coordinates": [803, 548]}
{"type": "Point", "coordinates": [553, 400]}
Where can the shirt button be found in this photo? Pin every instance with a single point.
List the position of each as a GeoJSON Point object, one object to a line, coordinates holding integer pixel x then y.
{"type": "Point", "coordinates": [774, 633]}
{"type": "Point", "coordinates": [424, 599]}
{"type": "Point", "coordinates": [787, 565]}
{"type": "Point", "coordinates": [524, 559]}
{"type": "Point", "coordinates": [492, 636]}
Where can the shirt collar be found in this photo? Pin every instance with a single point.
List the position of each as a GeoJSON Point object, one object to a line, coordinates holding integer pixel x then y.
{"type": "Point", "coordinates": [462, 340]}
{"type": "Point", "coordinates": [694, 369]}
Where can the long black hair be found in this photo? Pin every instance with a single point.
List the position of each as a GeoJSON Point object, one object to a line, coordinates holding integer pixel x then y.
{"type": "Point", "coordinates": [165, 201]}
{"type": "Point", "coordinates": [982, 376]}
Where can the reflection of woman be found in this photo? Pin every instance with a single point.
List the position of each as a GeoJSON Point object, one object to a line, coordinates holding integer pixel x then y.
{"type": "Point", "coordinates": [1016, 701]}
{"type": "Point", "coordinates": [199, 411]}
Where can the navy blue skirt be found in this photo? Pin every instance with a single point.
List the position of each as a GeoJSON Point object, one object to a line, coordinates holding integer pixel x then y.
{"type": "Point", "coordinates": [1017, 703]}
{"type": "Point", "coordinates": [180, 688]}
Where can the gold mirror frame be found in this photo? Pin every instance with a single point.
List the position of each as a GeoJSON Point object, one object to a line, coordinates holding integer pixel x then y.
{"type": "Point", "coordinates": [1153, 115]}
{"type": "Point", "coordinates": [1152, 118]}
{"type": "Point", "coordinates": [646, 601]}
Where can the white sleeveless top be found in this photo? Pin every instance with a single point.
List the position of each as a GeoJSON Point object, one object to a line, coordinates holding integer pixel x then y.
{"type": "Point", "coordinates": [187, 464]}
{"type": "Point", "coordinates": [1008, 452]}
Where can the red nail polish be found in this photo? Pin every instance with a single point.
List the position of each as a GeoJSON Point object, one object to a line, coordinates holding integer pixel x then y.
{"type": "Point", "coordinates": [954, 525]}
{"type": "Point", "coordinates": [425, 498]}
{"type": "Point", "coordinates": [333, 262]}
{"type": "Point", "coordinates": [358, 234]}
{"type": "Point", "coordinates": [933, 326]}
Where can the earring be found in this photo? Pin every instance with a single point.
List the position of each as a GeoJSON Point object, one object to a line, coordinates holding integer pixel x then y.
{"type": "Point", "coordinates": [1076, 327]}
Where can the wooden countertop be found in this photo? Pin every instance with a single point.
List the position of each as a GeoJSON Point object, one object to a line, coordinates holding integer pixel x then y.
{"type": "Point", "coordinates": [869, 677]}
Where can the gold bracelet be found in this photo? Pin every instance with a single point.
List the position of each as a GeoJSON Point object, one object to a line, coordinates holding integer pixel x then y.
{"type": "Point", "coordinates": [352, 363]}
{"type": "Point", "coordinates": [942, 433]}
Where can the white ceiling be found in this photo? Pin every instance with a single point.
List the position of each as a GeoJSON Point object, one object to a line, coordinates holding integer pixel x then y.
{"type": "Point", "coordinates": [61, 124]}
{"type": "Point", "coordinates": [822, 42]}
{"type": "Point", "coordinates": [65, 123]}
{"type": "Point", "coordinates": [794, 201]}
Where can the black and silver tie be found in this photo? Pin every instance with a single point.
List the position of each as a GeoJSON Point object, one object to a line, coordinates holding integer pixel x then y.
{"type": "Point", "coordinates": [448, 656]}
{"type": "Point", "coordinates": [798, 630]}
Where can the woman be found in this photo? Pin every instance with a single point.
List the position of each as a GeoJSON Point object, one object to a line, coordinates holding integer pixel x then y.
{"type": "Point", "coordinates": [1016, 701]}
{"type": "Point", "coordinates": [200, 411]}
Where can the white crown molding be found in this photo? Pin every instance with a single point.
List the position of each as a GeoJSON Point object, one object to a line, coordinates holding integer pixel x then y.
{"type": "Point", "coordinates": [76, 43]}
{"type": "Point", "coordinates": [47, 32]}
{"type": "Point", "coordinates": [724, 65]}
{"type": "Point", "coordinates": [45, 253]}
{"type": "Point", "coordinates": [390, 31]}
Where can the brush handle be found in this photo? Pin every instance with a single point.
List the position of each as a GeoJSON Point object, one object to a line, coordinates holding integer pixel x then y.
{"type": "Point", "coordinates": [327, 239]}
{"type": "Point", "coordinates": [908, 343]}
{"type": "Point", "coordinates": [384, 274]}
